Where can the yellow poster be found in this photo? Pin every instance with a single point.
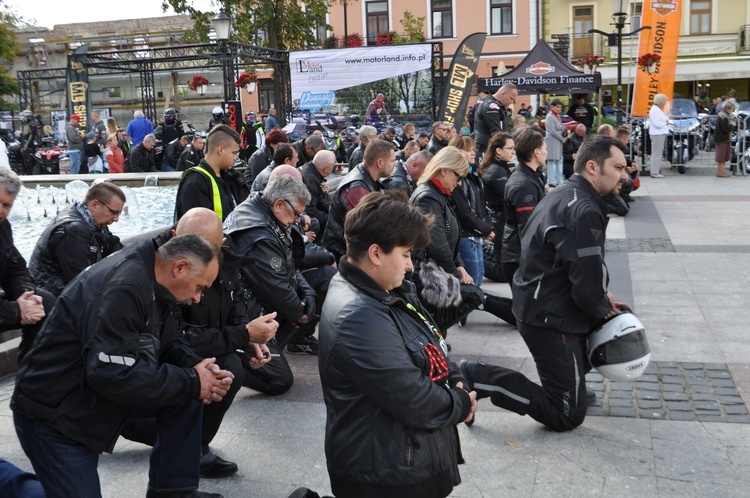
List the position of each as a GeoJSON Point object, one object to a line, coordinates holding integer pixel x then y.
{"type": "Point", "coordinates": [665, 18]}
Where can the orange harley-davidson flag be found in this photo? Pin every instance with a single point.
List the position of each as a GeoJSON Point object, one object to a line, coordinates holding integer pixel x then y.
{"type": "Point", "coordinates": [664, 17]}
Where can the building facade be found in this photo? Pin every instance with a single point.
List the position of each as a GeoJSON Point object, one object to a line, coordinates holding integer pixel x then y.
{"type": "Point", "coordinates": [512, 27]}
{"type": "Point", "coordinates": [714, 47]}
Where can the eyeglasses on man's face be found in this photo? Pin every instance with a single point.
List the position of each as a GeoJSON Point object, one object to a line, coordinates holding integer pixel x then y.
{"type": "Point", "coordinates": [114, 212]}
{"type": "Point", "coordinates": [297, 215]}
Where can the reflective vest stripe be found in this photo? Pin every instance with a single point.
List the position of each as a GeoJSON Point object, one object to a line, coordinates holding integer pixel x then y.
{"type": "Point", "coordinates": [214, 188]}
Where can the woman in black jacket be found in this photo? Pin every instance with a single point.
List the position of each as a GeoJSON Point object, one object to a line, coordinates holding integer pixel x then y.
{"type": "Point", "coordinates": [495, 169]}
{"type": "Point", "coordinates": [393, 399]}
{"type": "Point", "coordinates": [445, 287]}
{"type": "Point", "coordinates": [471, 208]}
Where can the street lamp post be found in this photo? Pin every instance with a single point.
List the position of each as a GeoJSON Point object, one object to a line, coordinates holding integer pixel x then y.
{"type": "Point", "coordinates": [620, 18]}
{"type": "Point", "coordinates": [222, 25]}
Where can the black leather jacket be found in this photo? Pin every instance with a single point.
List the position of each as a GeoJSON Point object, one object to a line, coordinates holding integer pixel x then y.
{"type": "Point", "coordinates": [110, 345]}
{"type": "Point", "coordinates": [140, 160]}
{"type": "Point", "coordinates": [435, 145]}
{"type": "Point", "coordinates": [490, 117]}
{"type": "Point", "coordinates": [388, 424]}
{"type": "Point", "coordinates": [318, 207]}
{"type": "Point", "coordinates": [471, 207]}
{"type": "Point", "coordinates": [189, 157]}
{"type": "Point", "coordinates": [562, 279]}
{"type": "Point", "coordinates": [271, 255]}
{"type": "Point", "coordinates": [257, 163]}
{"type": "Point", "coordinates": [445, 234]}
{"type": "Point", "coordinates": [523, 191]}
{"type": "Point", "coordinates": [172, 153]}
{"type": "Point", "coordinates": [15, 279]}
{"type": "Point", "coordinates": [495, 177]}
{"type": "Point", "coordinates": [399, 180]}
{"type": "Point", "coordinates": [358, 155]}
{"type": "Point", "coordinates": [333, 236]}
{"type": "Point", "coordinates": [67, 247]}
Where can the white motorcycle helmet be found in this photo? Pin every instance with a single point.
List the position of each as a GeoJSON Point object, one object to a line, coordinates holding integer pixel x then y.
{"type": "Point", "coordinates": [618, 349]}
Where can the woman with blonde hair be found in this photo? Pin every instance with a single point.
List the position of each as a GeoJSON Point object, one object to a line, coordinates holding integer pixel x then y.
{"type": "Point", "coordinates": [471, 208]}
{"type": "Point", "coordinates": [445, 287]}
{"type": "Point", "coordinates": [114, 155]}
{"type": "Point", "coordinates": [111, 127]}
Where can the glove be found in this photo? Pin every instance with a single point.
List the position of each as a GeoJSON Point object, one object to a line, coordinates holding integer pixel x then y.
{"type": "Point", "coordinates": [310, 305]}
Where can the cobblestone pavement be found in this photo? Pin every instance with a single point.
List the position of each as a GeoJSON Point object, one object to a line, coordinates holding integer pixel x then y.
{"type": "Point", "coordinates": [672, 391]}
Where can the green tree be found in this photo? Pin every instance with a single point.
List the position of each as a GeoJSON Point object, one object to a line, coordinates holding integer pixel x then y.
{"type": "Point", "coordinates": [9, 49]}
{"type": "Point", "coordinates": [279, 24]}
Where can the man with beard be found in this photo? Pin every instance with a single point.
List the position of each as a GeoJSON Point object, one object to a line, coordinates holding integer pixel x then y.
{"type": "Point", "coordinates": [560, 293]}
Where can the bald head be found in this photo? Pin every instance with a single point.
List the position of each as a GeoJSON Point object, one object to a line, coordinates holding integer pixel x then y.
{"type": "Point", "coordinates": [203, 222]}
{"type": "Point", "coordinates": [606, 130]}
{"type": "Point", "coordinates": [284, 169]}
{"type": "Point", "coordinates": [581, 130]}
{"type": "Point", "coordinates": [417, 163]}
{"type": "Point", "coordinates": [324, 162]}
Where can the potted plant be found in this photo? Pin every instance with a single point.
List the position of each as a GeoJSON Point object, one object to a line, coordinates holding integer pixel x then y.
{"type": "Point", "coordinates": [648, 62]}
{"type": "Point", "coordinates": [355, 40]}
{"type": "Point", "coordinates": [386, 38]}
{"type": "Point", "coordinates": [198, 84]}
{"type": "Point", "coordinates": [248, 80]}
{"type": "Point", "coordinates": [588, 63]}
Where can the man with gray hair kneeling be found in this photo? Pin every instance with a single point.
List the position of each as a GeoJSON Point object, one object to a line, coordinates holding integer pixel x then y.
{"type": "Point", "coordinates": [261, 229]}
{"type": "Point", "coordinates": [112, 349]}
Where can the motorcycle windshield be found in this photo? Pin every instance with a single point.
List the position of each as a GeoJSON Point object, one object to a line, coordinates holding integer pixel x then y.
{"type": "Point", "coordinates": [682, 109]}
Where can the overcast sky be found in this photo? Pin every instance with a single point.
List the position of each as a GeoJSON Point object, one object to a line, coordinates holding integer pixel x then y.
{"type": "Point", "coordinates": [47, 13]}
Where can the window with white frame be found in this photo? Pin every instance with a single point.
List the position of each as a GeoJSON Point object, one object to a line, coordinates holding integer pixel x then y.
{"type": "Point", "coordinates": [501, 17]}
{"type": "Point", "coordinates": [442, 18]}
{"type": "Point", "coordinates": [636, 11]}
{"type": "Point", "coordinates": [377, 19]}
{"type": "Point", "coordinates": [700, 17]}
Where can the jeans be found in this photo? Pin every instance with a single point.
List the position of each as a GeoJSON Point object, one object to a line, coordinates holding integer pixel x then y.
{"type": "Point", "coordinates": [64, 467]}
{"type": "Point", "coordinates": [473, 258]}
{"type": "Point", "coordinates": [554, 171]}
{"type": "Point", "coordinates": [67, 468]}
{"type": "Point", "coordinates": [75, 161]}
{"type": "Point", "coordinates": [16, 482]}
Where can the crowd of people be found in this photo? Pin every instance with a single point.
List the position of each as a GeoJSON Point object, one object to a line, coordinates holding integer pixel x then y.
{"type": "Point", "coordinates": [153, 340]}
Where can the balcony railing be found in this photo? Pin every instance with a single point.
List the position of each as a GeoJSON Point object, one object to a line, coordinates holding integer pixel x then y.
{"type": "Point", "coordinates": [575, 45]}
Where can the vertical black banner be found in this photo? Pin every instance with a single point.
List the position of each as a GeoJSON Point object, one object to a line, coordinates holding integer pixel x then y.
{"type": "Point", "coordinates": [459, 81]}
{"type": "Point", "coordinates": [233, 112]}
{"type": "Point", "coordinates": [77, 79]}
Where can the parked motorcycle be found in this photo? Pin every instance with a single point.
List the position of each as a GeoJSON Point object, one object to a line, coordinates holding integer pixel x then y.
{"type": "Point", "coordinates": [741, 138]}
{"type": "Point", "coordinates": [684, 134]}
{"type": "Point", "coordinates": [16, 160]}
{"type": "Point", "coordinates": [332, 142]}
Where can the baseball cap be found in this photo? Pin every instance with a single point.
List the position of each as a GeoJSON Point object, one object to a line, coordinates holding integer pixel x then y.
{"type": "Point", "coordinates": [75, 116]}
{"type": "Point", "coordinates": [90, 135]}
